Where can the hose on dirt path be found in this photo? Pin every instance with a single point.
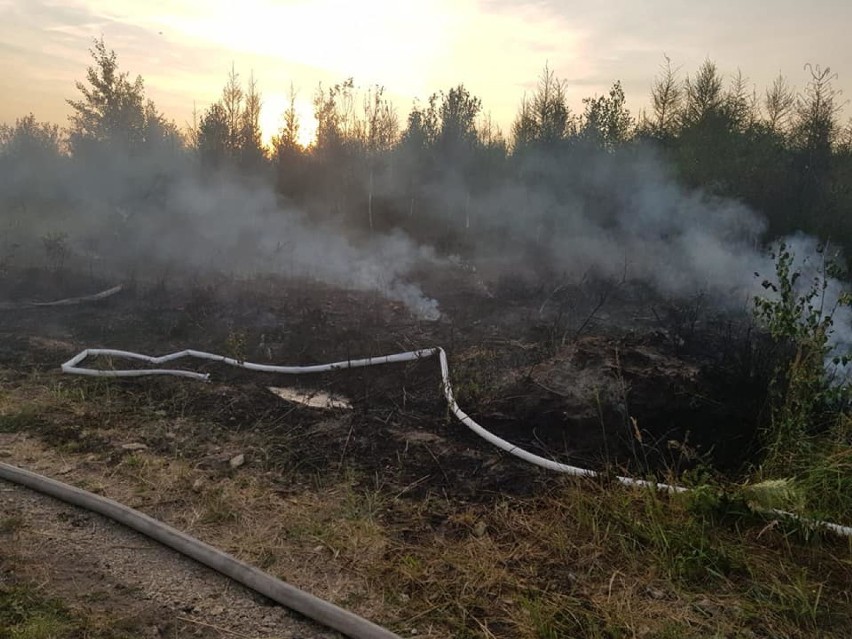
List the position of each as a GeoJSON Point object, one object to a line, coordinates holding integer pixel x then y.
{"type": "Point", "coordinates": [283, 593]}
{"type": "Point", "coordinates": [73, 366]}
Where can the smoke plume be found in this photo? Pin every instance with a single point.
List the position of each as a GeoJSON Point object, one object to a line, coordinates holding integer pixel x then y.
{"type": "Point", "coordinates": [612, 215]}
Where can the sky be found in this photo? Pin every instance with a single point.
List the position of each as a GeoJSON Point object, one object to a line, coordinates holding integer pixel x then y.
{"type": "Point", "coordinates": [184, 49]}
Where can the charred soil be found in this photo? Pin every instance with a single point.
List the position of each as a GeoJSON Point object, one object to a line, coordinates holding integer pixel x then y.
{"type": "Point", "coordinates": [381, 489]}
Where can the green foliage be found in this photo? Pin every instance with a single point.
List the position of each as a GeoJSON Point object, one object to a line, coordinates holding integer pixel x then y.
{"type": "Point", "coordinates": [794, 314]}
{"type": "Point", "coordinates": [287, 153]}
{"type": "Point", "coordinates": [606, 121]}
{"type": "Point", "coordinates": [26, 420]}
{"type": "Point", "coordinates": [825, 480]}
{"type": "Point", "coordinates": [544, 120]}
{"type": "Point", "coordinates": [667, 102]}
{"type": "Point", "coordinates": [475, 378]}
{"type": "Point", "coordinates": [11, 524]}
{"type": "Point", "coordinates": [458, 112]}
{"type": "Point", "coordinates": [688, 551]}
{"type": "Point", "coordinates": [287, 137]}
{"type": "Point", "coordinates": [799, 316]}
{"type": "Point", "coordinates": [32, 153]}
{"type": "Point", "coordinates": [422, 128]}
{"type": "Point", "coordinates": [113, 110]}
{"type": "Point", "coordinates": [213, 136]}
{"type": "Point", "coordinates": [28, 613]}
{"type": "Point", "coordinates": [334, 111]}
{"type": "Point", "coordinates": [56, 249]}
{"type": "Point", "coordinates": [704, 95]}
{"type": "Point", "coordinates": [807, 438]}
{"type": "Point", "coordinates": [24, 614]}
{"type": "Point", "coordinates": [112, 107]}
{"type": "Point", "coordinates": [29, 138]}
{"type": "Point", "coordinates": [236, 345]}
{"type": "Point", "coordinates": [228, 133]}
{"type": "Point", "coordinates": [251, 155]}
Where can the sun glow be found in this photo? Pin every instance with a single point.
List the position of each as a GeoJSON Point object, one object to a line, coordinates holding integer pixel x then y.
{"type": "Point", "coordinates": [184, 49]}
{"type": "Point", "coordinates": [375, 40]}
{"type": "Point", "coordinates": [272, 118]}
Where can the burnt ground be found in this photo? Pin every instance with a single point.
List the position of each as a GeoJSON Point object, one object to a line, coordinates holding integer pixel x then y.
{"type": "Point", "coordinates": [627, 384]}
{"type": "Point", "coordinates": [605, 377]}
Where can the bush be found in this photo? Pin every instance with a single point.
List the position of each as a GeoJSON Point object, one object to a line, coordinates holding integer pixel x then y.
{"type": "Point", "coordinates": [807, 438]}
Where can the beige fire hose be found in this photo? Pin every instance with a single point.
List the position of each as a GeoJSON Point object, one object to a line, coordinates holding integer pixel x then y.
{"type": "Point", "coordinates": [281, 592]}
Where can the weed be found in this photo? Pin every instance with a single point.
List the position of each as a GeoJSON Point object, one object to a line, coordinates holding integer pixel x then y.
{"type": "Point", "coordinates": [807, 440]}
{"type": "Point", "coordinates": [800, 319]}
{"type": "Point", "coordinates": [236, 344]}
{"type": "Point", "coordinates": [11, 524]}
{"type": "Point", "coordinates": [551, 616]}
{"type": "Point", "coordinates": [23, 421]}
{"type": "Point", "coordinates": [474, 376]}
{"type": "Point", "coordinates": [25, 614]}
{"type": "Point", "coordinates": [218, 507]}
{"type": "Point", "coordinates": [134, 461]}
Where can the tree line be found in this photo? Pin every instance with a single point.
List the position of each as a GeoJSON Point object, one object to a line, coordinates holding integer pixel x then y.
{"type": "Point", "coordinates": [783, 152]}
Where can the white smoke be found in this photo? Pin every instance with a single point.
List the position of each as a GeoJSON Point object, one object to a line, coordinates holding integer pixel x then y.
{"type": "Point", "coordinates": [614, 215]}
{"type": "Point", "coordinates": [242, 228]}
{"type": "Point", "coordinates": [140, 212]}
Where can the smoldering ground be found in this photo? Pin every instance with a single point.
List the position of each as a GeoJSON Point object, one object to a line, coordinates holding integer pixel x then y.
{"type": "Point", "coordinates": [622, 215]}
{"type": "Point", "coordinates": [611, 215]}
{"type": "Point", "coordinates": [141, 214]}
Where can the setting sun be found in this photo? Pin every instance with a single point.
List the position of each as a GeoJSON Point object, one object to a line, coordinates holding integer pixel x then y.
{"type": "Point", "coordinates": [272, 118]}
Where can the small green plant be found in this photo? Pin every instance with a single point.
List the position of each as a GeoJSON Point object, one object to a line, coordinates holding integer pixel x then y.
{"type": "Point", "coordinates": [219, 508]}
{"type": "Point", "coordinates": [10, 525]}
{"type": "Point", "coordinates": [807, 462]}
{"type": "Point", "coordinates": [474, 376]}
{"type": "Point", "coordinates": [26, 420]}
{"type": "Point", "coordinates": [25, 614]}
{"type": "Point", "coordinates": [235, 345]}
{"type": "Point", "coordinates": [800, 316]}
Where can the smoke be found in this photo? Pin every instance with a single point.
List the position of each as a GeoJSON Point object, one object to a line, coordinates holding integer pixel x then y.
{"type": "Point", "coordinates": [677, 241]}
{"type": "Point", "coordinates": [622, 215]}
{"type": "Point", "coordinates": [139, 212]}
{"type": "Point", "coordinates": [243, 228]}
{"type": "Point", "coordinates": [825, 294]}
{"type": "Point", "coordinates": [612, 216]}
{"type": "Point", "coordinates": [588, 212]}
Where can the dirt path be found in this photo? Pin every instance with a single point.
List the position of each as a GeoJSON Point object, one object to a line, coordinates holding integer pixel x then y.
{"type": "Point", "coordinates": [108, 570]}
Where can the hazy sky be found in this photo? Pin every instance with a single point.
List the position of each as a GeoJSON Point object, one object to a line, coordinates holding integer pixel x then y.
{"type": "Point", "coordinates": [184, 49]}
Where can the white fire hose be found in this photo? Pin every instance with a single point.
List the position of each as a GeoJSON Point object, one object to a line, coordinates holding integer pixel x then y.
{"type": "Point", "coordinates": [283, 593]}
{"type": "Point", "coordinates": [72, 366]}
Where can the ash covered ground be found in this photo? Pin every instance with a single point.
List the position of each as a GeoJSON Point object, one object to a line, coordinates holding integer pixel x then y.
{"type": "Point", "coordinates": [593, 374]}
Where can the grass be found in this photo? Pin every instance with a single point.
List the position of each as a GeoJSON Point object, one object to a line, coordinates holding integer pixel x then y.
{"type": "Point", "coordinates": [26, 420]}
{"type": "Point", "coordinates": [11, 524]}
{"type": "Point", "coordinates": [28, 613]}
{"type": "Point", "coordinates": [591, 561]}
{"type": "Point", "coordinates": [576, 559]}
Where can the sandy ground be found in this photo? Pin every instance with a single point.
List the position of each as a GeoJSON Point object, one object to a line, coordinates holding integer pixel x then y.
{"type": "Point", "coordinates": [107, 568]}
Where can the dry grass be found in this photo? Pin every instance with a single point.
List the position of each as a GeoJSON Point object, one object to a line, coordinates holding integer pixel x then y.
{"type": "Point", "coordinates": [591, 561]}
{"type": "Point", "coordinates": [580, 559]}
